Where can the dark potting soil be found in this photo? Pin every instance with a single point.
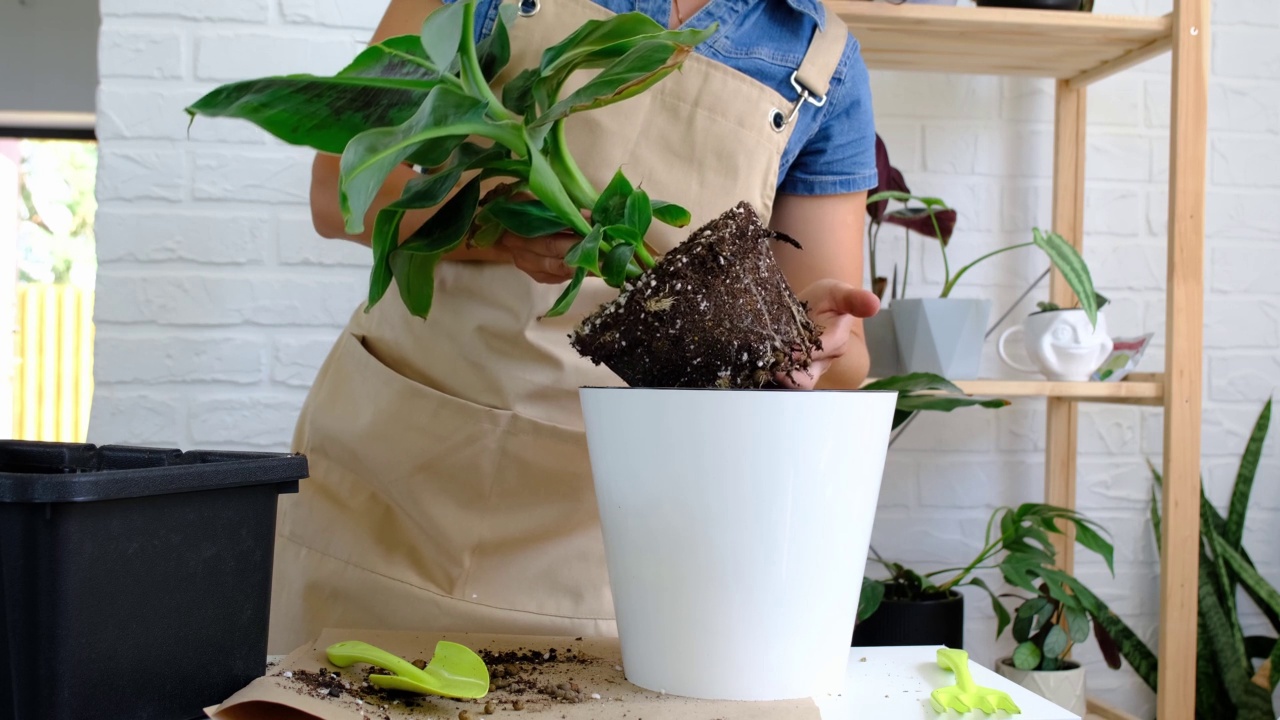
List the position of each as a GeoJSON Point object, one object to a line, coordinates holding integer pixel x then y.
{"type": "Point", "coordinates": [714, 312]}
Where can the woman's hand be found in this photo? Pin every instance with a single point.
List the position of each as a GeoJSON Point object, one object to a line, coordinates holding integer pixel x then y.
{"type": "Point", "coordinates": [541, 258]}
{"type": "Point", "coordinates": [835, 307]}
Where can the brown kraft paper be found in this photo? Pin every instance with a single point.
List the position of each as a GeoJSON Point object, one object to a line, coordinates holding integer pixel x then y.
{"type": "Point", "coordinates": [590, 667]}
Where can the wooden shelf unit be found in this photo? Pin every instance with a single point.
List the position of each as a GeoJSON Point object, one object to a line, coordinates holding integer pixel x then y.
{"type": "Point", "coordinates": [1076, 50]}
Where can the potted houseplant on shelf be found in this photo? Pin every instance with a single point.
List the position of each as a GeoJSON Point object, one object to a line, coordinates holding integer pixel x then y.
{"type": "Point", "coordinates": [942, 335]}
{"type": "Point", "coordinates": [1236, 673]}
{"type": "Point", "coordinates": [1062, 343]}
{"type": "Point", "coordinates": [926, 608]}
{"type": "Point", "coordinates": [1057, 616]}
{"type": "Point", "coordinates": [720, 546]}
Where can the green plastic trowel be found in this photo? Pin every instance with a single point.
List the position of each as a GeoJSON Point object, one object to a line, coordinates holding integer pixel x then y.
{"type": "Point", "coordinates": [967, 695]}
{"type": "Point", "coordinates": [454, 671]}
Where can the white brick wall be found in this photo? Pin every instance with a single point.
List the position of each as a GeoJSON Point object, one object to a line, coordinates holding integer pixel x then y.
{"type": "Point", "coordinates": [217, 302]}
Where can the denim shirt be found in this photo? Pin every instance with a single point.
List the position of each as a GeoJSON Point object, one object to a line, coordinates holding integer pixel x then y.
{"type": "Point", "coordinates": [832, 148]}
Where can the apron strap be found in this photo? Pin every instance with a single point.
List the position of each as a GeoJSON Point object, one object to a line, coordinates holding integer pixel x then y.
{"type": "Point", "coordinates": [813, 77]}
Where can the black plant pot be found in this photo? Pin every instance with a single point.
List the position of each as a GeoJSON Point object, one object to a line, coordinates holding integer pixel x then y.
{"type": "Point", "coordinates": [1031, 4]}
{"type": "Point", "coordinates": [134, 582]}
{"type": "Point", "coordinates": [911, 622]}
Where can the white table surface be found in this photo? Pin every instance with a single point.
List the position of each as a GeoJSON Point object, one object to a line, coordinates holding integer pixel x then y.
{"type": "Point", "coordinates": [895, 682]}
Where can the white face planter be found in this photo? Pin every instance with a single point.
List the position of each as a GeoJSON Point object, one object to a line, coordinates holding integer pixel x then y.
{"type": "Point", "coordinates": [1062, 344]}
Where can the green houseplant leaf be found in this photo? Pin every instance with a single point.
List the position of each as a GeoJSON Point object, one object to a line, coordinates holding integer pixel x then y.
{"type": "Point", "coordinates": [1073, 268]}
{"type": "Point", "coordinates": [384, 85]}
{"type": "Point", "coordinates": [1234, 530]}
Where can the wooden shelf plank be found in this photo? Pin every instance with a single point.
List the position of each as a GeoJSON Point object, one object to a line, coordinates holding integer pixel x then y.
{"type": "Point", "coordinates": [1142, 389]}
{"type": "Point", "coordinates": [1125, 390]}
{"type": "Point", "coordinates": [997, 41]}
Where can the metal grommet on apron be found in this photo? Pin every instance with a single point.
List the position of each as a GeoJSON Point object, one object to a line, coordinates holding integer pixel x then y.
{"type": "Point", "coordinates": [450, 487]}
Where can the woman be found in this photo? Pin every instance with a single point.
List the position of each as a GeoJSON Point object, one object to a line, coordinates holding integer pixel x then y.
{"type": "Point", "coordinates": [450, 488]}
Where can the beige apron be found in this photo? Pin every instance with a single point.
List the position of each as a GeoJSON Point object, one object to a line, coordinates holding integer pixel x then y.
{"type": "Point", "coordinates": [450, 485]}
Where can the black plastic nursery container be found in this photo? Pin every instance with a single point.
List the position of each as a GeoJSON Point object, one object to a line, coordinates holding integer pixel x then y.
{"type": "Point", "coordinates": [900, 622]}
{"type": "Point", "coordinates": [136, 581]}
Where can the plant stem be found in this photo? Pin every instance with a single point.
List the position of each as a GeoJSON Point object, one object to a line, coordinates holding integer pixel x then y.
{"type": "Point", "coordinates": [471, 72]}
{"type": "Point", "coordinates": [946, 290]}
{"type": "Point", "coordinates": [942, 246]}
{"type": "Point", "coordinates": [575, 182]}
{"type": "Point", "coordinates": [906, 265]}
{"type": "Point", "coordinates": [871, 248]}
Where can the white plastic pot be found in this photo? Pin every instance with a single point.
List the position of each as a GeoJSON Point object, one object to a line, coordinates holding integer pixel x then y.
{"type": "Point", "coordinates": [736, 527]}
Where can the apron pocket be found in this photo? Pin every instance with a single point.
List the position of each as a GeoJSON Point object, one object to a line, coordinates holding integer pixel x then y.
{"type": "Point", "coordinates": [483, 505]}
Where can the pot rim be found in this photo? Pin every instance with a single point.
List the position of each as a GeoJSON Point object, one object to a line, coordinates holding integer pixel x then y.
{"type": "Point", "coordinates": [1067, 665]}
{"type": "Point", "coordinates": [953, 595]}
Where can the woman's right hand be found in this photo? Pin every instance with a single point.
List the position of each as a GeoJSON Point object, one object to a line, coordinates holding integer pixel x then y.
{"type": "Point", "coordinates": [541, 258]}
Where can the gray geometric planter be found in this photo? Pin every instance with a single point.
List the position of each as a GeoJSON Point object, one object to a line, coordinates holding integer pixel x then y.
{"type": "Point", "coordinates": [882, 344]}
{"type": "Point", "coordinates": [941, 335]}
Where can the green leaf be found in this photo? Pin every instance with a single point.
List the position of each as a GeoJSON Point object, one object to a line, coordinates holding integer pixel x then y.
{"type": "Point", "coordinates": [371, 156]}
{"type": "Point", "coordinates": [915, 382]}
{"type": "Point", "coordinates": [565, 301]}
{"type": "Point", "coordinates": [517, 95]}
{"type": "Point", "coordinates": [1225, 639]}
{"type": "Point", "coordinates": [486, 231]}
{"type": "Point", "coordinates": [671, 214]}
{"type": "Point", "coordinates": [422, 192]}
{"type": "Point", "coordinates": [639, 212]}
{"type": "Point", "coordinates": [1072, 267]}
{"type": "Point", "coordinates": [494, 51]}
{"type": "Point", "coordinates": [1026, 656]}
{"type": "Point", "coordinates": [385, 238]}
{"type": "Point", "coordinates": [997, 607]}
{"type": "Point", "coordinates": [1077, 624]}
{"type": "Point", "coordinates": [611, 207]}
{"type": "Point", "coordinates": [641, 68]}
{"type": "Point", "coordinates": [1032, 607]}
{"type": "Point", "coordinates": [383, 86]}
{"type": "Point", "coordinates": [413, 262]}
{"type": "Point", "coordinates": [890, 195]}
{"type": "Point", "coordinates": [624, 234]}
{"type": "Point", "coordinates": [1022, 626]}
{"type": "Point", "coordinates": [442, 33]}
{"type": "Point", "coordinates": [614, 268]}
{"type": "Point", "coordinates": [415, 276]}
{"type": "Point", "coordinates": [1086, 536]}
{"type": "Point", "coordinates": [1244, 478]}
{"type": "Point", "coordinates": [871, 596]}
{"type": "Point", "coordinates": [943, 403]}
{"type": "Point", "coordinates": [586, 253]}
{"type": "Point", "coordinates": [597, 43]}
{"type": "Point", "coordinates": [527, 218]}
{"type": "Point", "coordinates": [1249, 577]}
{"type": "Point", "coordinates": [1056, 642]}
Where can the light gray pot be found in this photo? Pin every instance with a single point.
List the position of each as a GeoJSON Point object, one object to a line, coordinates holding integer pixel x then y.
{"type": "Point", "coordinates": [882, 344]}
{"type": "Point", "coordinates": [941, 335]}
{"type": "Point", "coordinates": [1064, 688]}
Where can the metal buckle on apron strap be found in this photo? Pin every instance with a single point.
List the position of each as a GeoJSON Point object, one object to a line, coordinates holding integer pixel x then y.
{"type": "Point", "coordinates": [529, 7]}
{"type": "Point", "coordinates": [778, 121]}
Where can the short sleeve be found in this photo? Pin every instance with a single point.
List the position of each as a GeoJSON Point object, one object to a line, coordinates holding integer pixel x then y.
{"type": "Point", "coordinates": [840, 156]}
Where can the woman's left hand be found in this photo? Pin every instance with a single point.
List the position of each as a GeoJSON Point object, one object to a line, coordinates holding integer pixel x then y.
{"type": "Point", "coordinates": [834, 306]}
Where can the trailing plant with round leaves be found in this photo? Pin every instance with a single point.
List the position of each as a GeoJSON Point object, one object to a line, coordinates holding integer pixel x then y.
{"type": "Point", "coordinates": [1022, 552]}
{"type": "Point", "coordinates": [426, 100]}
